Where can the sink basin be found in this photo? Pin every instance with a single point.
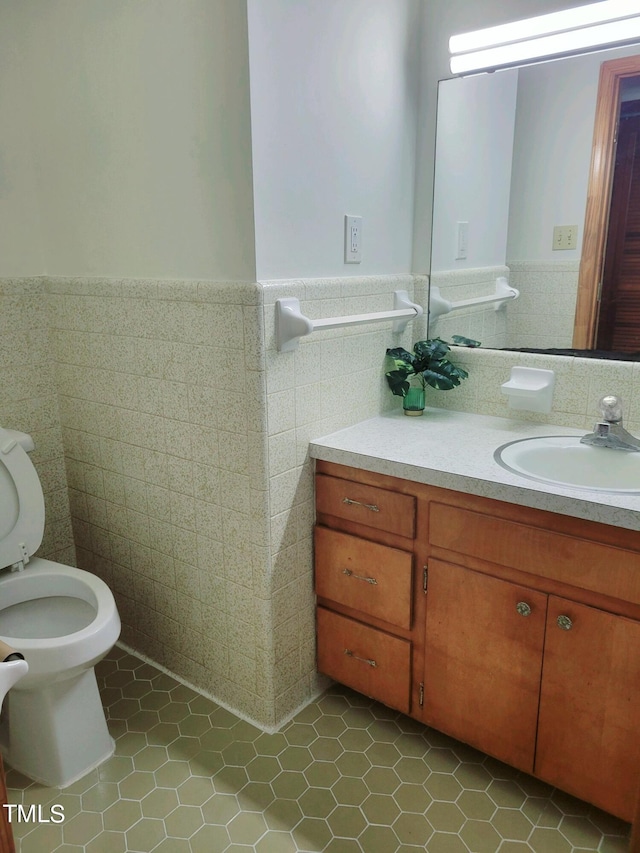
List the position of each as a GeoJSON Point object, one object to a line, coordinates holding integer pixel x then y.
{"type": "Point", "coordinates": [563, 461]}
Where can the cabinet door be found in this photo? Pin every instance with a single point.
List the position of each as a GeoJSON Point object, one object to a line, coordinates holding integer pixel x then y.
{"type": "Point", "coordinates": [589, 726]}
{"type": "Point", "coordinates": [483, 659]}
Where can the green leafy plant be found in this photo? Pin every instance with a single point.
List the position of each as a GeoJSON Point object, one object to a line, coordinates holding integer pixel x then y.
{"type": "Point", "coordinates": [429, 362]}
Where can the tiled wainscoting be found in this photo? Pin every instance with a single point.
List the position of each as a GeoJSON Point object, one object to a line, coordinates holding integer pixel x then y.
{"type": "Point", "coordinates": [481, 322]}
{"type": "Point", "coordinates": [162, 402]}
{"type": "Point", "coordinates": [544, 314]}
{"type": "Point", "coordinates": [29, 401]}
{"type": "Point", "coordinates": [184, 434]}
{"type": "Point", "coordinates": [541, 317]}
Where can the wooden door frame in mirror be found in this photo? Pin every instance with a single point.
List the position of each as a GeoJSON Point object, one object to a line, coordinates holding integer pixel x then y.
{"type": "Point", "coordinates": [598, 194]}
{"type": "Point", "coordinates": [634, 846]}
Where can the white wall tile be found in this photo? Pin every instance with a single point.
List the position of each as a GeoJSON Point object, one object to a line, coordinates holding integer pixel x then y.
{"type": "Point", "coordinates": [185, 439]}
{"type": "Point", "coordinates": [336, 381]}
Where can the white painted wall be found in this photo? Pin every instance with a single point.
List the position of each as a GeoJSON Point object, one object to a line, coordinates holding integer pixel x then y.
{"type": "Point", "coordinates": [552, 153]}
{"type": "Point", "coordinates": [333, 102]}
{"type": "Point", "coordinates": [476, 118]}
{"type": "Point", "coordinates": [551, 150]}
{"type": "Point", "coordinates": [141, 137]}
{"type": "Point", "coordinates": [21, 238]}
{"type": "Point", "coordinates": [441, 19]}
{"type": "Point", "coordinates": [126, 145]}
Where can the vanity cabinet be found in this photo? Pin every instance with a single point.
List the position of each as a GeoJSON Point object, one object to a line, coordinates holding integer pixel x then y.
{"type": "Point", "coordinates": [543, 683]}
{"type": "Point", "coordinates": [369, 613]}
{"type": "Point", "coordinates": [589, 716]}
{"type": "Point", "coordinates": [512, 629]}
{"type": "Point", "coordinates": [484, 661]}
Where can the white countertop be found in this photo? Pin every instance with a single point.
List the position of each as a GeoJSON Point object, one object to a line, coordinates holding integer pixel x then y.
{"type": "Point", "coordinates": [454, 450]}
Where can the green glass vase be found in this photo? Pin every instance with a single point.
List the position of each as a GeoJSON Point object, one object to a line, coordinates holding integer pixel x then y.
{"type": "Point", "coordinates": [413, 401]}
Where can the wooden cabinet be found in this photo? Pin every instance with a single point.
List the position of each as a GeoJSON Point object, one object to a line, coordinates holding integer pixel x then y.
{"type": "Point", "coordinates": [543, 683]}
{"type": "Point", "coordinates": [7, 844]}
{"type": "Point", "coordinates": [381, 509]}
{"type": "Point", "coordinates": [374, 579]}
{"type": "Point", "coordinates": [512, 629]}
{"type": "Point", "coordinates": [369, 588]}
{"type": "Point", "coordinates": [589, 719]}
{"type": "Point", "coordinates": [371, 661]}
{"type": "Point", "coordinates": [483, 661]}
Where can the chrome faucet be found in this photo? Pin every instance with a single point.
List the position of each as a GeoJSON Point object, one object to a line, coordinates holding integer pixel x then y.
{"type": "Point", "coordinates": [609, 432]}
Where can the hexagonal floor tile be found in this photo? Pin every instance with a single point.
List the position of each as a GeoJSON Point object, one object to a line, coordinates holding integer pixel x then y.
{"type": "Point", "coordinates": [346, 775]}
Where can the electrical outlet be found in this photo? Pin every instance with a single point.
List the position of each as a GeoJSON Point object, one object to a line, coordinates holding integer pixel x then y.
{"type": "Point", "coordinates": [565, 237]}
{"type": "Point", "coordinates": [352, 239]}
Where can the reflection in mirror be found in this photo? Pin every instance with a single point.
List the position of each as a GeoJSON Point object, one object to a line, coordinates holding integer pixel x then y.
{"type": "Point", "coordinates": [513, 154]}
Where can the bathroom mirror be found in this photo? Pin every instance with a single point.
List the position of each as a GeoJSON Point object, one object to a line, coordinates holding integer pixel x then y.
{"type": "Point", "coordinates": [512, 172]}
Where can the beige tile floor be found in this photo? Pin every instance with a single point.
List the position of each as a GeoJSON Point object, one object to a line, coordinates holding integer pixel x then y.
{"type": "Point", "coordinates": [347, 775]}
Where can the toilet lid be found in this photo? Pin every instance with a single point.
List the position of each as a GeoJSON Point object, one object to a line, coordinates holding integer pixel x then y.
{"type": "Point", "coordinates": [21, 503]}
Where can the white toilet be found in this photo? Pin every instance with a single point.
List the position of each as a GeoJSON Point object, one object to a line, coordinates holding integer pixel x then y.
{"type": "Point", "coordinates": [63, 620]}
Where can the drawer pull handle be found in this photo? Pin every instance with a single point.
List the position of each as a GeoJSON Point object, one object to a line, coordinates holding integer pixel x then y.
{"type": "Point", "coordinates": [564, 622]}
{"type": "Point", "coordinates": [350, 501]}
{"type": "Point", "coordinates": [351, 574]}
{"type": "Point", "coordinates": [523, 608]}
{"type": "Point", "coordinates": [368, 661]}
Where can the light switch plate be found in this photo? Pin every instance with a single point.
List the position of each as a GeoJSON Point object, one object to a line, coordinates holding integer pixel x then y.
{"type": "Point", "coordinates": [462, 240]}
{"type": "Point", "coordinates": [565, 237]}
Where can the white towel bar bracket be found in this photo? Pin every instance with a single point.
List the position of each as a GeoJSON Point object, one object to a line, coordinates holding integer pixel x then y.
{"type": "Point", "coordinates": [438, 305]}
{"type": "Point", "coordinates": [291, 324]}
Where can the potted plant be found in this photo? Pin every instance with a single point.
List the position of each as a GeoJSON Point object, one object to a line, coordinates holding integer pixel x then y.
{"type": "Point", "coordinates": [428, 364]}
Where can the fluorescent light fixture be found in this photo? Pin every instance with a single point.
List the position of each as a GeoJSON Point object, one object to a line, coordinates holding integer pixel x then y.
{"type": "Point", "coordinates": [608, 23]}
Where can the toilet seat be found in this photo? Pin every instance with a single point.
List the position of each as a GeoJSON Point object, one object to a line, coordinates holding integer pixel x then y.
{"type": "Point", "coordinates": [22, 502]}
{"type": "Point", "coordinates": [57, 656]}
{"type": "Point", "coordinates": [45, 618]}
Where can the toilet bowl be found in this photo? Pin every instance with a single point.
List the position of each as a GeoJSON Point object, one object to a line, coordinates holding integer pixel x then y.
{"type": "Point", "coordinates": [63, 620]}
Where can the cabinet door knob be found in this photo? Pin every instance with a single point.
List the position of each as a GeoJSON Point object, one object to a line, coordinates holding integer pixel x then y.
{"type": "Point", "coordinates": [564, 622]}
{"type": "Point", "coordinates": [523, 608]}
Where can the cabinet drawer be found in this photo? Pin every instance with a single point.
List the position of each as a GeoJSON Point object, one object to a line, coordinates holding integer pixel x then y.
{"type": "Point", "coordinates": [369, 505]}
{"type": "Point", "coordinates": [580, 562]}
{"type": "Point", "coordinates": [368, 660]}
{"type": "Point", "coordinates": [366, 576]}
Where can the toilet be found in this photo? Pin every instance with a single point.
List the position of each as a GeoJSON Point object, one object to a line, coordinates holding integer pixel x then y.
{"type": "Point", "coordinates": [63, 620]}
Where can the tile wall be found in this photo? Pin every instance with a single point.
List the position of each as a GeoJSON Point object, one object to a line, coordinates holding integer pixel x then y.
{"type": "Point", "coordinates": [543, 315]}
{"type": "Point", "coordinates": [334, 379]}
{"type": "Point", "coordinates": [185, 439]}
{"type": "Point", "coordinates": [28, 401]}
{"type": "Point", "coordinates": [480, 323]}
{"type": "Point", "coordinates": [580, 383]}
{"type": "Point", "coordinates": [162, 391]}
